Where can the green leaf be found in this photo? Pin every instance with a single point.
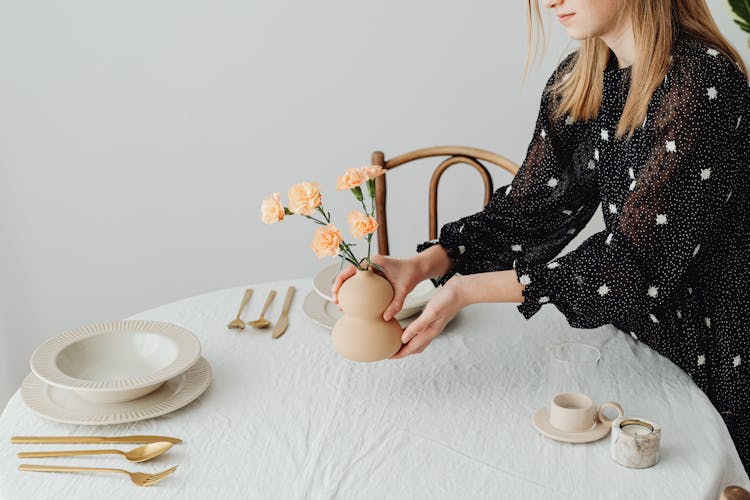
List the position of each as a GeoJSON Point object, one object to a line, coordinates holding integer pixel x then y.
{"type": "Point", "coordinates": [357, 193]}
{"type": "Point", "coordinates": [741, 9]}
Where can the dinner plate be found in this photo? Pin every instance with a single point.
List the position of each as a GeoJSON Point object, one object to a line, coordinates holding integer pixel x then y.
{"type": "Point", "coordinates": [65, 406]}
{"type": "Point", "coordinates": [115, 361]}
{"type": "Point", "coordinates": [414, 302]}
{"type": "Point", "coordinates": [325, 313]}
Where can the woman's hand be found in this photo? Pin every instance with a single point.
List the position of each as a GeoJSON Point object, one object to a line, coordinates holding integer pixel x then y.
{"type": "Point", "coordinates": [402, 274]}
{"type": "Point", "coordinates": [457, 293]}
{"type": "Point", "coordinates": [442, 307]}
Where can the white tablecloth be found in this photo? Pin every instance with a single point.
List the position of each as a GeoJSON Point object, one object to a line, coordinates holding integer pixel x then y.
{"type": "Point", "coordinates": [289, 418]}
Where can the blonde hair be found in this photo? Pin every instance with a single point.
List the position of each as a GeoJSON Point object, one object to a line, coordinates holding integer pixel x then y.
{"type": "Point", "coordinates": [655, 26]}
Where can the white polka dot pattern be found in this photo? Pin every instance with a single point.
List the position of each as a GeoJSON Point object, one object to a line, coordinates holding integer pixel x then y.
{"type": "Point", "coordinates": [671, 267]}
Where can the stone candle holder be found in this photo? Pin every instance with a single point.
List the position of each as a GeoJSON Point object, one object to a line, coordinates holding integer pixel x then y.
{"type": "Point", "coordinates": [635, 442]}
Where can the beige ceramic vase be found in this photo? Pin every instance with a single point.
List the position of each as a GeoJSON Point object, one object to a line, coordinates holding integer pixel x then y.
{"type": "Point", "coordinates": [362, 334]}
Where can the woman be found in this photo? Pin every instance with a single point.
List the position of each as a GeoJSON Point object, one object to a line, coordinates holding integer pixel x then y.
{"type": "Point", "coordinates": [649, 117]}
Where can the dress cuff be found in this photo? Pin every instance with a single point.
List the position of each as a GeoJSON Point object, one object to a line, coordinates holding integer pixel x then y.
{"type": "Point", "coordinates": [452, 254]}
{"type": "Point", "coordinates": [536, 291]}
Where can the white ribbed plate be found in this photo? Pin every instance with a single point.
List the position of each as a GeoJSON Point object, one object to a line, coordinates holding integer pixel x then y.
{"type": "Point", "coordinates": [116, 355]}
{"type": "Point", "coordinates": [65, 406]}
{"type": "Point", "coordinates": [326, 314]}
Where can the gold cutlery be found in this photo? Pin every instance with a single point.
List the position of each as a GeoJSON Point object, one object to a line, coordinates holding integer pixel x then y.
{"type": "Point", "coordinates": [263, 322]}
{"type": "Point", "coordinates": [237, 323]}
{"type": "Point", "coordinates": [284, 318]}
{"type": "Point", "coordinates": [140, 454]}
{"type": "Point", "coordinates": [138, 478]}
{"type": "Point", "coordinates": [91, 439]}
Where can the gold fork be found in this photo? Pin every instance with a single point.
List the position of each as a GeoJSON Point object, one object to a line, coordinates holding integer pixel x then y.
{"type": "Point", "coordinates": [138, 478]}
{"type": "Point", "coordinates": [237, 323]}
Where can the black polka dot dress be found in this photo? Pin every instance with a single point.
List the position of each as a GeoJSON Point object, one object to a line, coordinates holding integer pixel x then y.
{"type": "Point", "coordinates": [672, 267]}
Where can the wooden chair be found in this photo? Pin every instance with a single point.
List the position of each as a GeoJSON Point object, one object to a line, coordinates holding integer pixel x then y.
{"type": "Point", "coordinates": [456, 155]}
{"type": "Point", "coordinates": [735, 493]}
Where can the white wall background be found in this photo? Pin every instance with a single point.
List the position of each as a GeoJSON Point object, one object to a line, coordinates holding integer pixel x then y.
{"type": "Point", "coordinates": [138, 138]}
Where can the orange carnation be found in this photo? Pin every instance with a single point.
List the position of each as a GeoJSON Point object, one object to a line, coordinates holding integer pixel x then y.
{"type": "Point", "coordinates": [304, 198]}
{"type": "Point", "coordinates": [352, 178]}
{"type": "Point", "coordinates": [372, 171]}
{"type": "Point", "coordinates": [326, 241]}
{"type": "Point", "coordinates": [271, 209]}
{"type": "Point", "coordinates": [360, 225]}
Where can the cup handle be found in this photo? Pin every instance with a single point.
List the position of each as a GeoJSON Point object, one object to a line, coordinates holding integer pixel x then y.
{"type": "Point", "coordinates": [609, 404]}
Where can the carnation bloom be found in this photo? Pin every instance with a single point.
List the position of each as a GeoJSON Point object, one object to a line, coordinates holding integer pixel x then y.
{"type": "Point", "coordinates": [326, 241]}
{"type": "Point", "coordinates": [360, 225]}
{"type": "Point", "coordinates": [271, 209]}
{"type": "Point", "coordinates": [304, 198]}
{"type": "Point", "coordinates": [372, 171]}
{"type": "Point", "coordinates": [351, 179]}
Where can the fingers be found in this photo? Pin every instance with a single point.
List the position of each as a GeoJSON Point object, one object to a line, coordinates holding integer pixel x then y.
{"type": "Point", "coordinates": [400, 293]}
{"type": "Point", "coordinates": [416, 345]}
{"type": "Point", "coordinates": [395, 306]}
{"type": "Point", "coordinates": [411, 331]}
{"type": "Point", "coordinates": [344, 275]}
{"type": "Point", "coordinates": [416, 337]}
{"type": "Point", "coordinates": [381, 261]}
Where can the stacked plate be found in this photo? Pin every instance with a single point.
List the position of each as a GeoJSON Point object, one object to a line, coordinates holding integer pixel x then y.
{"type": "Point", "coordinates": [115, 372]}
{"type": "Point", "coordinates": [319, 306]}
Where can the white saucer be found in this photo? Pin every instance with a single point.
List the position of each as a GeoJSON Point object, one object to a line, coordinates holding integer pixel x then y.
{"type": "Point", "coordinates": [541, 423]}
{"type": "Point", "coordinates": [414, 302]}
{"type": "Point", "coordinates": [62, 405]}
{"type": "Point", "coordinates": [325, 313]}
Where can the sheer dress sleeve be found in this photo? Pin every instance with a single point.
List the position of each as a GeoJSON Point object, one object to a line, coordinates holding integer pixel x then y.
{"type": "Point", "coordinates": [550, 199]}
{"type": "Point", "coordinates": [627, 274]}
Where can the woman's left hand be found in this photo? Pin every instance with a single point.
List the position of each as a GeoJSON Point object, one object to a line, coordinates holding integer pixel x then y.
{"type": "Point", "coordinates": [442, 307]}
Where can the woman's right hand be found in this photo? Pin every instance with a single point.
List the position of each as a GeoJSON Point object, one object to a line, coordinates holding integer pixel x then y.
{"type": "Point", "coordinates": [402, 274]}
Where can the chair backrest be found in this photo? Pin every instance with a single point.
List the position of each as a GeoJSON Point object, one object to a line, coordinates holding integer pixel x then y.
{"type": "Point", "coordinates": [456, 155]}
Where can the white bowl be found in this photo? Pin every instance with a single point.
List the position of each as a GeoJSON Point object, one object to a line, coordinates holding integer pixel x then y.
{"type": "Point", "coordinates": [116, 361]}
{"type": "Point", "coordinates": [414, 302]}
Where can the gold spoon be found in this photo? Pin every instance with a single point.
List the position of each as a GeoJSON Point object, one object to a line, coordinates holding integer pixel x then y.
{"type": "Point", "coordinates": [263, 322]}
{"type": "Point", "coordinates": [140, 454]}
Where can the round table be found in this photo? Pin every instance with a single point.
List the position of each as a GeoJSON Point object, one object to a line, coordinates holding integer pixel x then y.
{"type": "Point", "coordinates": [289, 418]}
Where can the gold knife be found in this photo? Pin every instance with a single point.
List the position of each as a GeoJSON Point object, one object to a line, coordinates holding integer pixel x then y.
{"type": "Point", "coordinates": [91, 439]}
{"type": "Point", "coordinates": [283, 322]}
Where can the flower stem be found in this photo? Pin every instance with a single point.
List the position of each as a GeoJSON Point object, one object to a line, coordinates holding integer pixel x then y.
{"type": "Point", "coordinates": [349, 259]}
{"type": "Point", "coordinates": [316, 220]}
{"type": "Point", "coordinates": [348, 255]}
{"type": "Point", "coordinates": [325, 215]}
{"type": "Point", "coordinates": [369, 238]}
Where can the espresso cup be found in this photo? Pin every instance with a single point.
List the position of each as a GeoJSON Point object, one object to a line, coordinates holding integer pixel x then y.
{"type": "Point", "coordinates": [576, 412]}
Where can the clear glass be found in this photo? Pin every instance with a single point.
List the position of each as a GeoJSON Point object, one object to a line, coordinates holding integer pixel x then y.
{"type": "Point", "coordinates": [574, 367]}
